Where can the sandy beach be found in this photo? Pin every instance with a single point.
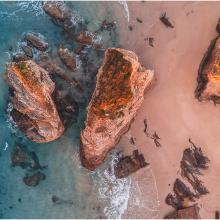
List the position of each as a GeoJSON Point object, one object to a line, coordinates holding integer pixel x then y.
{"type": "Point", "coordinates": [170, 106]}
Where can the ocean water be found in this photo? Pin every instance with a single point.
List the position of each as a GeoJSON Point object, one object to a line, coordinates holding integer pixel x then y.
{"type": "Point", "coordinates": [83, 194]}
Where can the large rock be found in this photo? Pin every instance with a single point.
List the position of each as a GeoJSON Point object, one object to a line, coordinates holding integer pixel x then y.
{"type": "Point", "coordinates": [209, 74]}
{"type": "Point", "coordinates": [119, 92]}
{"type": "Point", "coordinates": [33, 108]}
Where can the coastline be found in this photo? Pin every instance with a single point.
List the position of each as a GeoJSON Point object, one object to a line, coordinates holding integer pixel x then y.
{"type": "Point", "coordinates": [170, 107]}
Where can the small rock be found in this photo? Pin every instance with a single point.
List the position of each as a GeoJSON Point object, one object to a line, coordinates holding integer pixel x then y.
{"type": "Point", "coordinates": [139, 20]}
{"type": "Point", "coordinates": [34, 179]}
{"type": "Point", "coordinates": [36, 41]}
{"type": "Point", "coordinates": [165, 20]}
{"type": "Point", "coordinates": [130, 28]}
{"type": "Point", "coordinates": [218, 26]}
{"type": "Point", "coordinates": [68, 58]}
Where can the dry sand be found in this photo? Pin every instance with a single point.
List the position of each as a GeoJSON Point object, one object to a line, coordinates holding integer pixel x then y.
{"type": "Point", "coordinates": [170, 107]}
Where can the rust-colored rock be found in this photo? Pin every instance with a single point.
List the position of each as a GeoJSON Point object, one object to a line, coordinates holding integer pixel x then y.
{"type": "Point", "coordinates": [119, 92]}
{"type": "Point", "coordinates": [36, 41]}
{"type": "Point", "coordinates": [209, 74]}
{"type": "Point", "coordinates": [191, 212]}
{"type": "Point", "coordinates": [84, 38]}
{"type": "Point", "coordinates": [68, 58]}
{"type": "Point", "coordinates": [33, 108]}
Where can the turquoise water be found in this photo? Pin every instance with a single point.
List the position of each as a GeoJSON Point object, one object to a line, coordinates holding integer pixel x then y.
{"type": "Point", "coordinates": [84, 194]}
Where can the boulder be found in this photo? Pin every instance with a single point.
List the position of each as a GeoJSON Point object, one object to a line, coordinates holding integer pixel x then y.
{"type": "Point", "coordinates": [34, 179]}
{"type": "Point", "coordinates": [119, 93]}
{"type": "Point", "coordinates": [36, 41]}
{"type": "Point", "coordinates": [84, 38]}
{"type": "Point", "coordinates": [57, 11]}
{"type": "Point", "coordinates": [33, 108]}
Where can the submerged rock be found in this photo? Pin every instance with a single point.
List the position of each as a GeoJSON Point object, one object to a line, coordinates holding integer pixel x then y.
{"type": "Point", "coordinates": [34, 179]}
{"type": "Point", "coordinates": [68, 58]}
{"type": "Point", "coordinates": [33, 108]}
{"type": "Point", "coordinates": [20, 157]}
{"type": "Point", "coordinates": [119, 92]}
{"type": "Point", "coordinates": [36, 41]}
{"type": "Point", "coordinates": [84, 38]}
{"type": "Point", "coordinates": [129, 164]}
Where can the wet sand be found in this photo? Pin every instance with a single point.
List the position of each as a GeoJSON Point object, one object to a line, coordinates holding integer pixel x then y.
{"type": "Point", "coordinates": [170, 107]}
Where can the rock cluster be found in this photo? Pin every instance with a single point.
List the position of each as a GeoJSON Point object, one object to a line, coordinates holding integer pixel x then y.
{"type": "Point", "coordinates": [119, 92]}
{"type": "Point", "coordinates": [192, 164]}
{"type": "Point", "coordinates": [34, 110]}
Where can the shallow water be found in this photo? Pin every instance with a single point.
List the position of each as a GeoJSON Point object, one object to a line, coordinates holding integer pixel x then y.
{"type": "Point", "coordinates": [84, 194]}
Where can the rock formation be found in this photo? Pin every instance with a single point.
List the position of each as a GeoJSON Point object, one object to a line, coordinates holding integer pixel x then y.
{"type": "Point", "coordinates": [119, 92]}
{"type": "Point", "coordinates": [209, 73]}
{"type": "Point", "coordinates": [68, 58]}
{"type": "Point", "coordinates": [33, 108]}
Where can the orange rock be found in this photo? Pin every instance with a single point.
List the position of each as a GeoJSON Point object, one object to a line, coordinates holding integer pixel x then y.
{"type": "Point", "coordinates": [119, 92]}
{"type": "Point", "coordinates": [33, 108]}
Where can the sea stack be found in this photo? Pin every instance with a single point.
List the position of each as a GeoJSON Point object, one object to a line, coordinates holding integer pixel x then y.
{"type": "Point", "coordinates": [209, 74]}
{"type": "Point", "coordinates": [33, 108]}
{"type": "Point", "coordinates": [120, 85]}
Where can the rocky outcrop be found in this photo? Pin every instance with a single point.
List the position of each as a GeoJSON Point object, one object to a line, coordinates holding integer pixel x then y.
{"type": "Point", "coordinates": [33, 108]}
{"type": "Point", "coordinates": [36, 41]}
{"type": "Point", "coordinates": [119, 92]}
{"type": "Point", "coordinates": [208, 79]}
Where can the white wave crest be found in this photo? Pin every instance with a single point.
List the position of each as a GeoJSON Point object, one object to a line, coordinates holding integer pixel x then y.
{"type": "Point", "coordinates": [126, 9]}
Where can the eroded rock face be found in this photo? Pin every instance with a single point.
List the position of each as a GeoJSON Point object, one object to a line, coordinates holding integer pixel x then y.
{"type": "Point", "coordinates": [33, 108]}
{"type": "Point", "coordinates": [209, 74]}
{"type": "Point", "coordinates": [119, 92]}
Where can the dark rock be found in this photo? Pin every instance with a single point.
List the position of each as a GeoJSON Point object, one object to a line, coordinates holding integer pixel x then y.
{"type": "Point", "coordinates": [129, 164]}
{"type": "Point", "coordinates": [139, 20]}
{"type": "Point", "coordinates": [20, 157]}
{"type": "Point", "coordinates": [19, 200]}
{"type": "Point", "coordinates": [217, 215]}
{"type": "Point", "coordinates": [130, 28]}
{"type": "Point", "coordinates": [67, 107]}
{"type": "Point", "coordinates": [34, 179]}
{"type": "Point", "coordinates": [20, 57]}
{"type": "Point", "coordinates": [57, 11]}
{"type": "Point", "coordinates": [174, 201]}
{"type": "Point", "coordinates": [68, 58]}
{"type": "Point", "coordinates": [155, 137]}
{"type": "Point", "coordinates": [84, 38]}
{"type": "Point", "coordinates": [165, 20]}
{"type": "Point", "coordinates": [27, 50]}
{"type": "Point", "coordinates": [36, 41]}
{"type": "Point", "coordinates": [182, 191]}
